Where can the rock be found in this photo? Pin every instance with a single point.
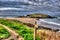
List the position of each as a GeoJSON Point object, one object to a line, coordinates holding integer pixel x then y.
{"type": "Point", "coordinates": [38, 15]}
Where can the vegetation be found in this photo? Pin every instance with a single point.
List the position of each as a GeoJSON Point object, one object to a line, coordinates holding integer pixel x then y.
{"type": "Point", "coordinates": [20, 28]}
{"type": "Point", "coordinates": [47, 34]}
{"type": "Point", "coordinates": [39, 15]}
{"type": "Point", "coordinates": [3, 33]}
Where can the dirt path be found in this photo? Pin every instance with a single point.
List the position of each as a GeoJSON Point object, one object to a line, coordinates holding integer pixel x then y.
{"type": "Point", "coordinates": [25, 20]}
{"type": "Point", "coordinates": [14, 35]}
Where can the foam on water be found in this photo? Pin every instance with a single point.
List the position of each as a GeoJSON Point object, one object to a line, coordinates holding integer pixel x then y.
{"type": "Point", "coordinates": [9, 8]}
{"type": "Point", "coordinates": [50, 22]}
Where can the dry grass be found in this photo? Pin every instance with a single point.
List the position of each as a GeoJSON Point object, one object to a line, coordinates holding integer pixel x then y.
{"type": "Point", "coordinates": [48, 35]}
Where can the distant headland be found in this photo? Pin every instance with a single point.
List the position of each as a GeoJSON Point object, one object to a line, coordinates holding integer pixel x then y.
{"type": "Point", "coordinates": [37, 15]}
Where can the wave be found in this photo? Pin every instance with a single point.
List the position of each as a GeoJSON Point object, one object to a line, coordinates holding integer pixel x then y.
{"type": "Point", "coordinates": [9, 8]}
{"type": "Point", "coordinates": [50, 22]}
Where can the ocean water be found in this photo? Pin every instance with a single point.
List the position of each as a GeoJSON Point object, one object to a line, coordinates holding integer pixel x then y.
{"type": "Point", "coordinates": [13, 8]}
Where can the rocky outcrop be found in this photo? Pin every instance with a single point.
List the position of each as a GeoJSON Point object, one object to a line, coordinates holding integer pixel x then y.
{"type": "Point", "coordinates": [39, 15]}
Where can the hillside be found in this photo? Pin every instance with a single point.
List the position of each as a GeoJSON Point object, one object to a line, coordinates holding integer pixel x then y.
{"type": "Point", "coordinates": [39, 15]}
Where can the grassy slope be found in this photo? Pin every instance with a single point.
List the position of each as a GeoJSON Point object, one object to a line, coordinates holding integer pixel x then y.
{"type": "Point", "coordinates": [20, 28]}
{"type": "Point", "coordinates": [3, 33]}
{"type": "Point", "coordinates": [39, 15]}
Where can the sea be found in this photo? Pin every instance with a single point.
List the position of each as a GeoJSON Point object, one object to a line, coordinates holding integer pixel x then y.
{"type": "Point", "coordinates": [15, 8]}
{"type": "Point", "coordinates": [24, 7]}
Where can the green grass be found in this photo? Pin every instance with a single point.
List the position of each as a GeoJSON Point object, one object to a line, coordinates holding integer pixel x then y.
{"type": "Point", "coordinates": [21, 29]}
{"type": "Point", "coordinates": [4, 33]}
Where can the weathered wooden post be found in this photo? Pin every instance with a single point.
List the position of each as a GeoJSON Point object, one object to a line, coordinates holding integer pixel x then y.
{"type": "Point", "coordinates": [35, 30]}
